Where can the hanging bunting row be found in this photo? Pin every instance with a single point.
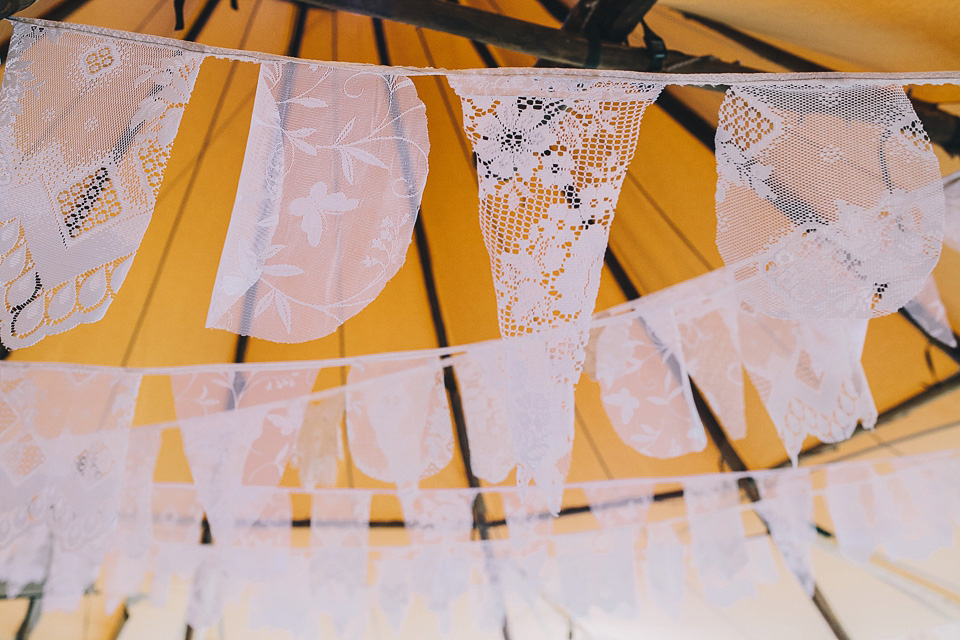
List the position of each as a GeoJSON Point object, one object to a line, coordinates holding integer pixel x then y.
{"type": "Point", "coordinates": [648, 358]}
{"type": "Point", "coordinates": [829, 199]}
{"type": "Point", "coordinates": [80, 500]}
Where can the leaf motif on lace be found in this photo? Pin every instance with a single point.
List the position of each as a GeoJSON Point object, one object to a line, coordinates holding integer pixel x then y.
{"type": "Point", "coordinates": [551, 158]}
{"type": "Point", "coordinates": [829, 200]}
{"type": "Point", "coordinates": [398, 420]}
{"type": "Point", "coordinates": [645, 388]}
{"type": "Point", "coordinates": [335, 166]}
{"type": "Point", "coordinates": [80, 196]}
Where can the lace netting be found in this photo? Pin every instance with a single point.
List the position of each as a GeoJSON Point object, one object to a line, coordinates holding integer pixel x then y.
{"type": "Point", "coordinates": [829, 200]}
{"type": "Point", "coordinates": [551, 158]}
{"type": "Point", "coordinates": [87, 125]}
{"type": "Point", "coordinates": [398, 423]}
{"type": "Point", "coordinates": [335, 165]}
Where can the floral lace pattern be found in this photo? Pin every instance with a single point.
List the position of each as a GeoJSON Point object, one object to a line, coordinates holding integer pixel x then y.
{"type": "Point", "coordinates": [87, 126]}
{"type": "Point", "coordinates": [335, 165]}
{"type": "Point", "coordinates": [808, 375]}
{"type": "Point", "coordinates": [645, 387]}
{"type": "Point", "coordinates": [551, 158]}
{"type": "Point", "coordinates": [829, 200]}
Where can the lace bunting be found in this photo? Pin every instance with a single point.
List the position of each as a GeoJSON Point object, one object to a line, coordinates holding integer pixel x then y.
{"type": "Point", "coordinates": [829, 199]}
{"type": "Point", "coordinates": [87, 125]}
{"type": "Point", "coordinates": [335, 165]}
{"type": "Point", "coordinates": [551, 158]}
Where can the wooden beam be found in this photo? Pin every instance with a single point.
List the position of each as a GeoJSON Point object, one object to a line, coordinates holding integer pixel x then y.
{"type": "Point", "coordinates": [10, 7]}
{"type": "Point", "coordinates": [526, 37]}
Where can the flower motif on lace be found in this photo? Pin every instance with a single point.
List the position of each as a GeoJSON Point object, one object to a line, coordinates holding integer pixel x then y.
{"type": "Point", "coordinates": [314, 208]}
{"type": "Point", "coordinates": [626, 401]}
{"type": "Point", "coordinates": [514, 136]}
{"type": "Point", "coordinates": [735, 168]}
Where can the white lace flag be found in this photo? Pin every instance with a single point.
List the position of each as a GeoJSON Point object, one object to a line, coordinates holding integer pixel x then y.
{"type": "Point", "coordinates": [921, 509]}
{"type": "Point", "coordinates": [705, 311]}
{"type": "Point", "coordinates": [951, 225]}
{"type": "Point", "coordinates": [394, 591]}
{"type": "Point", "coordinates": [398, 420]}
{"type": "Point", "coordinates": [339, 537]}
{"type": "Point", "coordinates": [644, 385]}
{"type": "Point", "coordinates": [551, 157]}
{"type": "Point", "coordinates": [829, 199]}
{"type": "Point", "coordinates": [619, 505]}
{"type": "Point", "coordinates": [207, 392]}
{"type": "Point", "coordinates": [239, 430]}
{"type": "Point", "coordinates": [319, 447]}
{"type": "Point", "coordinates": [485, 392]}
{"type": "Point", "coordinates": [664, 569]}
{"type": "Point", "coordinates": [177, 517]}
{"type": "Point", "coordinates": [63, 445]}
{"type": "Point", "coordinates": [335, 165]}
{"type": "Point", "coordinates": [787, 508]}
{"type": "Point", "coordinates": [927, 310]}
{"type": "Point", "coordinates": [808, 375]}
{"type": "Point", "coordinates": [126, 565]}
{"type": "Point", "coordinates": [87, 125]}
{"type": "Point", "coordinates": [439, 523]}
{"type": "Point", "coordinates": [598, 570]}
{"type": "Point", "coordinates": [719, 546]}
{"type": "Point", "coordinates": [861, 515]}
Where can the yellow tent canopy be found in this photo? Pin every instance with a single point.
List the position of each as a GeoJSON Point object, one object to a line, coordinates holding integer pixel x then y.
{"type": "Point", "coordinates": [663, 234]}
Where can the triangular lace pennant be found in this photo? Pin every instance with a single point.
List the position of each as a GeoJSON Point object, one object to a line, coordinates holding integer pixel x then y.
{"type": "Point", "coordinates": [484, 390]}
{"type": "Point", "coordinates": [319, 446]}
{"type": "Point", "coordinates": [860, 510]}
{"type": "Point", "coordinates": [552, 154]}
{"type": "Point", "coordinates": [63, 446]}
{"type": "Point", "coordinates": [87, 124]}
{"type": "Point", "coordinates": [339, 538]}
{"type": "Point", "coordinates": [398, 420]}
{"type": "Point", "coordinates": [126, 565]}
{"type": "Point", "coordinates": [719, 550]}
{"type": "Point", "coordinates": [598, 569]}
{"type": "Point", "coordinates": [664, 569]}
{"type": "Point", "coordinates": [330, 189]}
{"type": "Point", "coordinates": [808, 375]}
{"type": "Point", "coordinates": [644, 385]}
{"type": "Point", "coordinates": [829, 199]}
{"type": "Point", "coordinates": [705, 310]}
{"type": "Point", "coordinates": [240, 431]}
{"type": "Point", "coordinates": [787, 509]}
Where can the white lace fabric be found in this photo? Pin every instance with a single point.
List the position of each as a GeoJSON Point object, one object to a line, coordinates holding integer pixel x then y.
{"type": "Point", "coordinates": [398, 422]}
{"type": "Point", "coordinates": [551, 158]}
{"type": "Point", "coordinates": [808, 375]}
{"type": "Point", "coordinates": [829, 200]}
{"type": "Point", "coordinates": [63, 444]}
{"type": "Point", "coordinates": [335, 165]}
{"type": "Point", "coordinates": [87, 126]}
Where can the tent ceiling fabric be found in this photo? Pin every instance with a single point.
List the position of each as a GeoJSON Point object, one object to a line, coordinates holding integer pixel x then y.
{"type": "Point", "coordinates": [663, 233]}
